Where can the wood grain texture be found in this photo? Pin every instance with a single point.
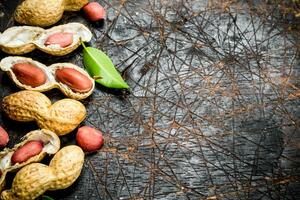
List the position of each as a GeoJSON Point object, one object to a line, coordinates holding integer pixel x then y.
{"type": "Point", "coordinates": [213, 111]}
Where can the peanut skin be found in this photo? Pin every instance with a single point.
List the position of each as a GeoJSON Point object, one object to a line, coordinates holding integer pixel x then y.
{"type": "Point", "coordinates": [28, 74]}
{"type": "Point", "coordinates": [36, 178]}
{"type": "Point", "coordinates": [77, 81]}
{"type": "Point", "coordinates": [89, 139]}
{"type": "Point", "coordinates": [27, 151]}
{"type": "Point", "coordinates": [4, 138]}
{"type": "Point", "coordinates": [94, 11]}
{"type": "Point", "coordinates": [62, 39]}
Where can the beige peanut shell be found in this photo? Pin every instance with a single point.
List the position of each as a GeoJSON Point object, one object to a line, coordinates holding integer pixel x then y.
{"type": "Point", "coordinates": [67, 165]}
{"type": "Point", "coordinates": [7, 63]}
{"type": "Point", "coordinates": [45, 12]}
{"type": "Point", "coordinates": [19, 40]}
{"type": "Point", "coordinates": [74, 5]}
{"type": "Point", "coordinates": [62, 117]}
{"type": "Point", "coordinates": [34, 179]}
{"type": "Point", "coordinates": [51, 146]}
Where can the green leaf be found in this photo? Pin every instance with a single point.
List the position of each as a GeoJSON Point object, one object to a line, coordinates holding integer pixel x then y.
{"type": "Point", "coordinates": [101, 68]}
{"type": "Point", "coordinates": [44, 197]}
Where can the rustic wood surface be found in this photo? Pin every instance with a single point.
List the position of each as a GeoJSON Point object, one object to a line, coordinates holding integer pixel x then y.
{"type": "Point", "coordinates": [213, 110]}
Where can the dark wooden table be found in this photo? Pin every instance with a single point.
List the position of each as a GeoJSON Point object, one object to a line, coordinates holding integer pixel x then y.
{"type": "Point", "coordinates": [213, 111]}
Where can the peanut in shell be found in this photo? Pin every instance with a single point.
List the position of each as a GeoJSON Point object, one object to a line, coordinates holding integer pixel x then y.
{"type": "Point", "coordinates": [45, 12]}
{"type": "Point", "coordinates": [67, 164]}
{"type": "Point", "coordinates": [62, 117]}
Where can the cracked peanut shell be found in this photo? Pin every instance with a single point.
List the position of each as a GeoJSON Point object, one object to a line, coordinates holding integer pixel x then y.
{"type": "Point", "coordinates": [19, 40]}
{"type": "Point", "coordinates": [35, 179]}
{"type": "Point", "coordinates": [51, 144]}
{"type": "Point", "coordinates": [6, 64]}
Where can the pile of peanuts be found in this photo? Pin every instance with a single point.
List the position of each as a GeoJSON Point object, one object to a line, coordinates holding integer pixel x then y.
{"type": "Point", "coordinates": [54, 119]}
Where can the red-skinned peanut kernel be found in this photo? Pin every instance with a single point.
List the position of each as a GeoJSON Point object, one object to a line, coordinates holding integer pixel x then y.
{"type": "Point", "coordinates": [94, 11]}
{"type": "Point", "coordinates": [76, 80]}
{"type": "Point", "coordinates": [28, 150]}
{"type": "Point", "coordinates": [29, 74]}
{"type": "Point", "coordinates": [62, 39]}
{"type": "Point", "coordinates": [4, 138]}
{"type": "Point", "coordinates": [89, 139]}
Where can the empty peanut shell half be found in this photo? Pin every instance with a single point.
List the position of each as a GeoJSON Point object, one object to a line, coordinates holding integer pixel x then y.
{"type": "Point", "coordinates": [34, 146]}
{"type": "Point", "coordinates": [28, 74]}
{"type": "Point", "coordinates": [58, 40]}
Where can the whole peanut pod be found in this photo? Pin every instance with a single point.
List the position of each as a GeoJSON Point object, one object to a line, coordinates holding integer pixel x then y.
{"type": "Point", "coordinates": [62, 117]}
{"type": "Point", "coordinates": [45, 12]}
{"type": "Point", "coordinates": [34, 179]}
{"type": "Point", "coordinates": [30, 182]}
{"type": "Point", "coordinates": [67, 164]}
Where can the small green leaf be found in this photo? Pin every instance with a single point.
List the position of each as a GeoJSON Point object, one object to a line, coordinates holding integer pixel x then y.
{"type": "Point", "coordinates": [44, 197]}
{"type": "Point", "coordinates": [101, 68]}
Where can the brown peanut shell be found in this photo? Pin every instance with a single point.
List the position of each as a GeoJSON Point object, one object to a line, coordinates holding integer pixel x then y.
{"type": "Point", "coordinates": [45, 12]}
{"type": "Point", "coordinates": [62, 117]}
{"type": "Point", "coordinates": [74, 5]}
{"type": "Point", "coordinates": [30, 182]}
{"type": "Point", "coordinates": [67, 165]}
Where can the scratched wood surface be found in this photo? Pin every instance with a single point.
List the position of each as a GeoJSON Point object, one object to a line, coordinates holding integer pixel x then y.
{"type": "Point", "coordinates": [213, 111]}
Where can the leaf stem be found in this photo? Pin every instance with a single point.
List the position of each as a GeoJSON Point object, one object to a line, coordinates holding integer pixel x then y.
{"type": "Point", "coordinates": [82, 43]}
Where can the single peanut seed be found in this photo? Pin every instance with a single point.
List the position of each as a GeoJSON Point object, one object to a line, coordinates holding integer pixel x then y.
{"type": "Point", "coordinates": [94, 11]}
{"type": "Point", "coordinates": [28, 150]}
{"type": "Point", "coordinates": [4, 138]}
{"type": "Point", "coordinates": [77, 81]}
{"type": "Point", "coordinates": [29, 74]}
{"type": "Point", "coordinates": [62, 39]}
{"type": "Point", "coordinates": [89, 139]}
